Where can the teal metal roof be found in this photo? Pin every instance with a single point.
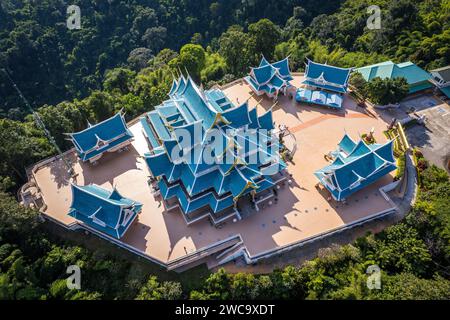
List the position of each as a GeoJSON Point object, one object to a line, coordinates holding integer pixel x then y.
{"type": "Point", "coordinates": [416, 77]}
{"type": "Point", "coordinates": [362, 166]}
{"type": "Point", "coordinates": [446, 91]}
{"type": "Point", "coordinates": [106, 211]}
{"type": "Point", "coordinates": [101, 137]}
{"type": "Point", "coordinates": [347, 144]}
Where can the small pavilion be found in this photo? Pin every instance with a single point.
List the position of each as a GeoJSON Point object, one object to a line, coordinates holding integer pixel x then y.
{"type": "Point", "coordinates": [270, 78]}
{"type": "Point", "coordinates": [105, 211]}
{"type": "Point", "coordinates": [325, 85]}
{"type": "Point", "coordinates": [107, 136]}
{"type": "Point", "coordinates": [356, 165]}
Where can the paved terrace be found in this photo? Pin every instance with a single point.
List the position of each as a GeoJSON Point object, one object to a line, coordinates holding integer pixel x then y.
{"type": "Point", "coordinates": [301, 212]}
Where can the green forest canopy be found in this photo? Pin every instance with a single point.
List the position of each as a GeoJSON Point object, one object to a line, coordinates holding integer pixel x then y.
{"type": "Point", "coordinates": [125, 57]}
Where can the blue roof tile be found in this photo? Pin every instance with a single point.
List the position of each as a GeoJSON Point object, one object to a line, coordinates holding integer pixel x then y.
{"type": "Point", "coordinates": [361, 167]}
{"type": "Point", "coordinates": [105, 211]}
{"type": "Point", "coordinates": [101, 137]}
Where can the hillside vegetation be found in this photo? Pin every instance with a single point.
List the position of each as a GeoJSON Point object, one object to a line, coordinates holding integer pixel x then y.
{"type": "Point", "coordinates": [125, 57]}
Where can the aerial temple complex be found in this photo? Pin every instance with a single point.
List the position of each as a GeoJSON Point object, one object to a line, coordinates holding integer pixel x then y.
{"type": "Point", "coordinates": [210, 176]}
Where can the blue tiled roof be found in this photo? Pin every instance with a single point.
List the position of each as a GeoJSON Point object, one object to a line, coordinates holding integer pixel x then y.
{"type": "Point", "coordinates": [327, 77]}
{"type": "Point", "coordinates": [263, 74]}
{"type": "Point", "coordinates": [269, 78]}
{"type": "Point", "coordinates": [266, 121]}
{"type": "Point", "coordinates": [197, 183]}
{"type": "Point", "coordinates": [238, 116]}
{"type": "Point", "coordinates": [263, 62]}
{"type": "Point", "coordinates": [362, 166]}
{"type": "Point", "coordinates": [329, 99]}
{"type": "Point", "coordinates": [103, 210]}
{"type": "Point", "coordinates": [101, 137]}
{"type": "Point", "coordinates": [446, 91]}
{"type": "Point", "coordinates": [347, 144]}
{"type": "Point", "coordinates": [283, 68]}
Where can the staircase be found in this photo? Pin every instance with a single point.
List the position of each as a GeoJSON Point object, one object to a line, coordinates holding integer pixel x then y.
{"type": "Point", "coordinates": [227, 255]}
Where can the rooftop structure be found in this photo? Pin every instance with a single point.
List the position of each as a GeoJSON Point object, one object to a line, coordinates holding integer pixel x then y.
{"type": "Point", "coordinates": [107, 136]}
{"type": "Point", "coordinates": [325, 85]}
{"type": "Point", "coordinates": [103, 210]}
{"type": "Point", "coordinates": [328, 99]}
{"type": "Point", "coordinates": [207, 153]}
{"type": "Point", "coordinates": [326, 77]}
{"type": "Point", "coordinates": [270, 78]}
{"type": "Point", "coordinates": [441, 78]}
{"type": "Point", "coordinates": [417, 78]}
{"type": "Point", "coordinates": [356, 165]}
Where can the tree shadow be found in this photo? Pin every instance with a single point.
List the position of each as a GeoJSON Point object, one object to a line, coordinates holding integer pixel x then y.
{"type": "Point", "coordinates": [59, 171]}
{"type": "Point", "coordinates": [110, 166]}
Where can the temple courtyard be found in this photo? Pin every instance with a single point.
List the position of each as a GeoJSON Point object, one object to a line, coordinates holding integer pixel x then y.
{"type": "Point", "coordinates": [303, 210]}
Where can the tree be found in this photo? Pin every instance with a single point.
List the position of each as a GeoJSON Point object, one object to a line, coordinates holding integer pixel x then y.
{"type": "Point", "coordinates": [386, 91]}
{"type": "Point", "coordinates": [294, 25]}
{"type": "Point", "coordinates": [215, 68]}
{"type": "Point", "coordinates": [155, 38]}
{"type": "Point", "coordinates": [407, 286]}
{"type": "Point", "coordinates": [100, 104]}
{"type": "Point", "coordinates": [153, 290]}
{"type": "Point", "coordinates": [192, 58]}
{"type": "Point", "coordinates": [238, 50]}
{"type": "Point", "coordinates": [65, 117]}
{"type": "Point", "coordinates": [399, 249]}
{"type": "Point", "coordinates": [266, 35]}
{"type": "Point", "coordinates": [138, 58]}
{"type": "Point", "coordinates": [22, 144]}
{"type": "Point", "coordinates": [145, 18]}
{"type": "Point", "coordinates": [358, 81]}
{"type": "Point", "coordinates": [197, 38]}
{"type": "Point", "coordinates": [243, 286]}
{"type": "Point", "coordinates": [119, 79]}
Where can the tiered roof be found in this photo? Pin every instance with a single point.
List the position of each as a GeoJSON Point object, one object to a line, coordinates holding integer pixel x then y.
{"type": "Point", "coordinates": [204, 150]}
{"type": "Point", "coordinates": [327, 77]}
{"type": "Point", "coordinates": [101, 137]}
{"type": "Point", "coordinates": [106, 211]}
{"type": "Point", "coordinates": [270, 78]}
{"type": "Point", "coordinates": [356, 165]}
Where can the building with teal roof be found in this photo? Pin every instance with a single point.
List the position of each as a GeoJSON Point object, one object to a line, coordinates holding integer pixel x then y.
{"type": "Point", "coordinates": [270, 79]}
{"type": "Point", "coordinates": [441, 78]}
{"type": "Point", "coordinates": [356, 165]}
{"type": "Point", "coordinates": [105, 211]}
{"type": "Point", "coordinates": [107, 136]}
{"type": "Point", "coordinates": [324, 85]}
{"type": "Point", "coordinates": [417, 78]}
{"type": "Point", "coordinates": [206, 153]}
